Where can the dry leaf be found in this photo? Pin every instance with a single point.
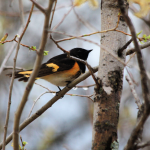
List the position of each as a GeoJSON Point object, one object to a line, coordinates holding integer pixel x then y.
{"type": "Point", "coordinates": [144, 7]}
{"type": "Point", "coordinates": [92, 3]}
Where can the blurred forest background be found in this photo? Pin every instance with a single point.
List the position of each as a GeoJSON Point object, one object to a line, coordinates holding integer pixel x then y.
{"type": "Point", "coordinates": [67, 125]}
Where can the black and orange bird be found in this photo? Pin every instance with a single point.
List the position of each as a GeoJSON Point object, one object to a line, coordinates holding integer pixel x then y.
{"type": "Point", "coordinates": [59, 70]}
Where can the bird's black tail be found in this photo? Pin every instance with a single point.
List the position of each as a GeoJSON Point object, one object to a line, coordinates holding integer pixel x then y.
{"type": "Point", "coordinates": [21, 75]}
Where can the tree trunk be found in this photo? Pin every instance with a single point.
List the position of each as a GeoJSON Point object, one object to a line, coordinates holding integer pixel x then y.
{"type": "Point", "coordinates": [110, 76]}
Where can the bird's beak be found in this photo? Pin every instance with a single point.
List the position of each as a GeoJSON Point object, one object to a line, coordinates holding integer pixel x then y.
{"type": "Point", "coordinates": [90, 50]}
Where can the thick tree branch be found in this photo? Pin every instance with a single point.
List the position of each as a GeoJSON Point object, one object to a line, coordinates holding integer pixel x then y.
{"type": "Point", "coordinates": [32, 78]}
{"type": "Point", "coordinates": [50, 103]}
{"type": "Point", "coordinates": [134, 135]}
{"type": "Point", "coordinates": [124, 47]}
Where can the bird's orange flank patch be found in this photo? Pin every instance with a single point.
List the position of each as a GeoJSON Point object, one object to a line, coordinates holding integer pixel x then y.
{"type": "Point", "coordinates": [73, 70]}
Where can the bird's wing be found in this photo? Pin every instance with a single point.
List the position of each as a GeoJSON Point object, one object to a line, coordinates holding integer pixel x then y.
{"type": "Point", "coordinates": [54, 66]}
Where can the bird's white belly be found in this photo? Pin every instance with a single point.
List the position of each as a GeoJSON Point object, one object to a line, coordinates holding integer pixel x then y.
{"type": "Point", "coordinates": [58, 79]}
{"type": "Point", "coordinates": [63, 77]}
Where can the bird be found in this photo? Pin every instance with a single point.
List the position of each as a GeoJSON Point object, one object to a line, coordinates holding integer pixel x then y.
{"type": "Point", "coordinates": [59, 70]}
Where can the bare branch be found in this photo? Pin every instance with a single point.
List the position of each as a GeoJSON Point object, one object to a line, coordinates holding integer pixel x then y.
{"type": "Point", "coordinates": [59, 46]}
{"type": "Point", "coordinates": [21, 12]}
{"type": "Point", "coordinates": [137, 100]}
{"type": "Point", "coordinates": [11, 67]}
{"type": "Point", "coordinates": [50, 91]}
{"type": "Point", "coordinates": [16, 137]}
{"type": "Point", "coordinates": [89, 26]}
{"type": "Point", "coordinates": [131, 142]}
{"type": "Point", "coordinates": [12, 79]}
{"type": "Point", "coordinates": [38, 6]}
{"type": "Point", "coordinates": [35, 102]}
{"type": "Point", "coordinates": [124, 47]}
{"type": "Point", "coordinates": [53, 14]}
{"type": "Point", "coordinates": [63, 19]}
{"type": "Point", "coordinates": [132, 50]}
{"type": "Point", "coordinates": [50, 103]}
{"type": "Point", "coordinates": [142, 145]}
{"type": "Point", "coordinates": [86, 86]}
{"type": "Point", "coordinates": [9, 53]}
{"type": "Point", "coordinates": [87, 40]}
{"type": "Point", "coordinates": [77, 59]}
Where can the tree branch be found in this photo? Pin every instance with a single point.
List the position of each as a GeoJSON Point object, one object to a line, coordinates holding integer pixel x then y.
{"type": "Point", "coordinates": [137, 100]}
{"type": "Point", "coordinates": [142, 145]}
{"type": "Point", "coordinates": [134, 135]}
{"type": "Point", "coordinates": [34, 74]}
{"type": "Point", "coordinates": [133, 50]}
{"type": "Point", "coordinates": [50, 103]}
{"type": "Point", "coordinates": [39, 7]}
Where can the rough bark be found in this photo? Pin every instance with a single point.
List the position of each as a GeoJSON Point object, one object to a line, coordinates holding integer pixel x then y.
{"type": "Point", "coordinates": [110, 74]}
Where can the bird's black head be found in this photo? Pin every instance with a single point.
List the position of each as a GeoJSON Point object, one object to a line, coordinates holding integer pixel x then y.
{"type": "Point", "coordinates": [80, 53]}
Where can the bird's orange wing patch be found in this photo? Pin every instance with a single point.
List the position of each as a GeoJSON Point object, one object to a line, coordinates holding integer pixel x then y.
{"type": "Point", "coordinates": [25, 72]}
{"type": "Point", "coordinates": [54, 66]}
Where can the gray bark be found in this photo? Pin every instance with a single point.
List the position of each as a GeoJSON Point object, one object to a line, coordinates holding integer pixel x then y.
{"type": "Point", "coordinates": [110, 74]}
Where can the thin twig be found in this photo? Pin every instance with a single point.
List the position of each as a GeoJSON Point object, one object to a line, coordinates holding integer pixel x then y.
{"type": "Point", "coordinates": [21, 141]}
{"type": "Point", "coordinates": [49, 91]}
{"type": "Point", "coordinates": [137, 100]}
{"type": "Point", "coordinates": [59, 45]}
{"type": "Point", "coordinates": [93, 76]}
{"type": "Point", "coordinates": [89, 26]}
{"type": "Point", "coordinates": [143, 145]}
{"type": "Point", "coordinates": [87, 40]}
{"type": "Point", "coordinates": [104, 31]}
{"type": "Point", "coordinates": [3, 42]}
{"type": "Point", "coordinates": [63, 19]}
{"type": "Point", "coordinates": [12, 14]}
{"type": "Point", "coordinates": [52, 15]}
{"type": "Point", "coordinates": [9, 54]}
{"type": "Point", "coordinates": [131, 76]}
{"type": "Point", "coordinates": [14, 39]}
{"type": "Point", "coordinates": [35, 103]}
{"type": "Point", "coordinates": [12, 79]}
{"type": "Point", "coordinates": [86, 86]}
{"type": "Point", "coordinates": [11, 67]}
{"type": "Point", "coordinates": [131, 56]}
{"type": "Point", "coordinates": [39, 6]}
{"type": "Point", "coordinates": [50, 103]}
{"type": "Point", "coordinates": [132, 50]}
{"type": "Point", "coordinates": [80, 60]}
{"type": "Point", "coordinates": [21, 12]}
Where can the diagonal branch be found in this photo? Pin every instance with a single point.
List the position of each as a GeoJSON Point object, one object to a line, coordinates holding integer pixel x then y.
{"type": "Point", "coordinates": [133, 50]}
{"type": "Point", "coordinates": [39, 7]}
{"type": "Point", "coordinates": [50, 103]}
{"type": "Point", "coordinates": [77, 59]}
{"type": "Point", "coordinates": [137, 100]}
